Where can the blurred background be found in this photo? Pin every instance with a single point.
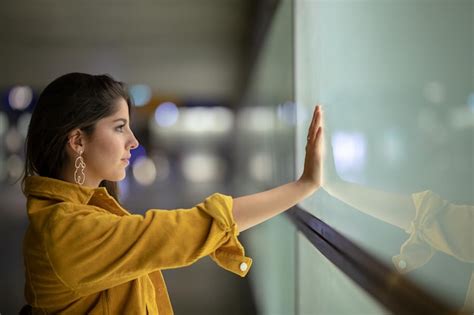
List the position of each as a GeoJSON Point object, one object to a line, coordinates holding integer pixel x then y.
{"type": "Point", "coordinates": [186, 64]}
{"type": "Point", "coordinates": [224, 91]}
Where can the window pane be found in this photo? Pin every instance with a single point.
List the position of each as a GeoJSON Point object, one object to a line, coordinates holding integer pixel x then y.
{"type": "Point", "coordinates": [265, 157]}
{"type": "Point", "coordinates": [324, 289]}
{"type": "Point", "coordinates": [396, 80]}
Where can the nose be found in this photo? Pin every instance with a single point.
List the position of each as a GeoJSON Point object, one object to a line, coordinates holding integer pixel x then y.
{"type": "Point", "coordinates": [134, 142]}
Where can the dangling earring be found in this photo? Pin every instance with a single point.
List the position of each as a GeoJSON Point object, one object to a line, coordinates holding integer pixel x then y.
{"type": "Point", "coordinates": [79, 175]}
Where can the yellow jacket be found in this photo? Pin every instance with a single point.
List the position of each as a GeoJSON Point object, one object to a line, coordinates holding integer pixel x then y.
{"type": "Point", "coordinates": [84, 253]}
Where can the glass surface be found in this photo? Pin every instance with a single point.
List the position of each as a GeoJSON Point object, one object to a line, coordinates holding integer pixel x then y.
{"type": "Point", "coordinates": [324, 289]}
{"type": "Point", "coordinates": [396, 80]}
{"type": "Point", "coordinates": [265, 158]}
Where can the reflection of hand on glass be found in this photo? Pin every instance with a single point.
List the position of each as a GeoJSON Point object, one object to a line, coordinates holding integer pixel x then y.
{"type": "Point", "coordinates": [434, 224]}
{"type": "Point", "coordinates": [395, 209]}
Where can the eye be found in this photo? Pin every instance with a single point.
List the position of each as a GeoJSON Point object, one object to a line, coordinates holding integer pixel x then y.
{"type": "Point", "coordinates": [120, 128]}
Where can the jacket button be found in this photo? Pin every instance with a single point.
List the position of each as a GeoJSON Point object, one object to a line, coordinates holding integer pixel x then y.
{"type": "Point", "coordinates": [243, 266]}
{"type": "Point", "coordinates": [402, 264]}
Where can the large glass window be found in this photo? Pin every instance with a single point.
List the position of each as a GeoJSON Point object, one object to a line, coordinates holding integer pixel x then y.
{"type": "Point", "coordinates": [265, 155]}
{"type": "Point", "coordinates": [396, 80]}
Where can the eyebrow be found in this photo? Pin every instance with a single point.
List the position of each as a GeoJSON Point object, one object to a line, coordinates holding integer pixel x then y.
{"type": "Point", "coordinates": [122, 119]}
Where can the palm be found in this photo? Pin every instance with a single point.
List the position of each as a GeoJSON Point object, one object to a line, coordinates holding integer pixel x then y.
{"type": "Point", "coordinates": [313, 163]}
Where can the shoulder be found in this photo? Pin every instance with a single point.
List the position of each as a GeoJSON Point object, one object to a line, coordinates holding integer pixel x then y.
{"type": "Point", "coordinates": [71, 219]}
{"type": "Point", "coordinates": [66, 213]}
{"type": "Point", "coordinates": [71, 210]}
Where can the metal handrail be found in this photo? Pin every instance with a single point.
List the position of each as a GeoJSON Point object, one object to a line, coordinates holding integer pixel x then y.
{"type": "Point", "coordinates": [390, 288]}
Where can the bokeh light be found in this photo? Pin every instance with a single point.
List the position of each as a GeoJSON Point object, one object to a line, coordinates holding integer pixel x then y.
{"type": "Point", "coordinates": [14, 166]}
{"type": "Point", "coordinates": [349, 150]}
{"type": "Point", "coordinates": [141, 94]}
{"type": "Point", "coordinates": [166, 114]}
{"type": "Point", "coordinates": [224, 119]}
{"type": "Point", "coordinates": [144, 171]}
{"type": "Point", "coordinates": [260, 166]}
{"type": "Point", "coordinates": [198, 119]}
{"type": "Point", "coordinates": [170, 121]}
{"type": "Point", "coordinates": [20, 97]}
{"type": "Point", "coordinates": [203, 167]}
{"type": "Point", "coordinates": [13, 140]}
{"type": "Point", "coordinates": [256, 119]}
{"type": "Point", "coordinates": [287, 113]}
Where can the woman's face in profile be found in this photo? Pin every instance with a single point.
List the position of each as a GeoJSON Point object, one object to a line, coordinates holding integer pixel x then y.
{"type": "Point", "coordinates": [108, 150]}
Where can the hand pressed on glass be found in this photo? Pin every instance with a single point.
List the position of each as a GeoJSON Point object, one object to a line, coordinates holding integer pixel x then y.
{"type": "Point", "coordinates": [312, 171]}
{"type": "Point", "coordinates": [253, 209]}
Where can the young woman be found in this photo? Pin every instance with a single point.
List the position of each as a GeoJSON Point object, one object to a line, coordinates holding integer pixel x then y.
{"type": "Point", "coordinates": [83, 252]}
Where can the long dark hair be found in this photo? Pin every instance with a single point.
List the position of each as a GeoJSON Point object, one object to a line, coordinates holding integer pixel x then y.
{"type": "Point", "coordinates": [74, 100]}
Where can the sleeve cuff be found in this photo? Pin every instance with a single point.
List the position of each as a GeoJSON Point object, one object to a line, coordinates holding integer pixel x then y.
{"type": "Point", "coordinates": [231, 254]}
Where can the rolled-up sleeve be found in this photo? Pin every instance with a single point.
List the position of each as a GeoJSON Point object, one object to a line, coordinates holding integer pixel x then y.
{"type": "Point", "coordinates": [439, 225]}
{"type": "Point", "coordinates": [91, 249]}
{"type": "Point", "coordinates": [231, 254]}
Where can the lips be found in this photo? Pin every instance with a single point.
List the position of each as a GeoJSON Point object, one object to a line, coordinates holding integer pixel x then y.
{"type": "Point", "coordinates": [126, 160]}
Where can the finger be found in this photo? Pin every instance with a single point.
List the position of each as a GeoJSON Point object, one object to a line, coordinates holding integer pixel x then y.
{"type": "Point", "coordinates": [318, 119]}
{"type": "Point", "coordinates": [311, 125]}
{"type": "Point", "coordinates": [321, 118]}
{"type": "Point", "coordinates": [317, 123]}
{"type": "Point", "coordinates": [315, 114]}
{"type": "Point", "coordinates": [319, 135]}
{"type": "Point", "coordinates": [313, 122]}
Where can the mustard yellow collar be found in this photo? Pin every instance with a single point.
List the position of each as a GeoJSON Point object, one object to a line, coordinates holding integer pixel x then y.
{"type": "Point", "coordinates": [57, 189]}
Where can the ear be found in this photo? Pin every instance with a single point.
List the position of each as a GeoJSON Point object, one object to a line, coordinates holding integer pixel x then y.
{"type": "Point", "coordinates": [76, 141]}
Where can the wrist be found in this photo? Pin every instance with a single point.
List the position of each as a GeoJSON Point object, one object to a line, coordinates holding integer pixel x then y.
{"type": "Point", "coordinates": [307, 186]}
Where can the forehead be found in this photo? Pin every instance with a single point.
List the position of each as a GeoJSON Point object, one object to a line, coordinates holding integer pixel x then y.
{"type": "Point", "coordinates": [121, 110]}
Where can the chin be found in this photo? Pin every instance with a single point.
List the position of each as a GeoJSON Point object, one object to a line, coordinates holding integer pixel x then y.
{"type": "Point", "coordinates": [116, 177]}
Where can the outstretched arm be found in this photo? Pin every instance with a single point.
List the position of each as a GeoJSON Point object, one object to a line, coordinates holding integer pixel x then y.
{"type": "Point", "coordinates": [253, 209]}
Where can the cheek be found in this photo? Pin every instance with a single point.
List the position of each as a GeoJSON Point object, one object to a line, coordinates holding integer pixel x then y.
{"type": "Point", "coordinates": [107, 150]}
